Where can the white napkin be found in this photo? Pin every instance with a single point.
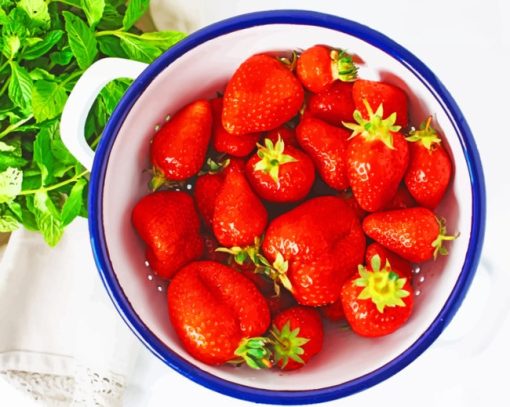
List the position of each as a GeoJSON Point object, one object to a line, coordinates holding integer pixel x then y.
{"type": "Point", "coordinates": [61, 339]}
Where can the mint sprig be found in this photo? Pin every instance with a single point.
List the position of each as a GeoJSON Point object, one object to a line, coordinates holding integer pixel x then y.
{"type": "Point", "coordinates": [45, 46]}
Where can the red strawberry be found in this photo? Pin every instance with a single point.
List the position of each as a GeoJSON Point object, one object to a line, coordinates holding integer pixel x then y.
{"type": "Point", "coordinates": [414, 233]}
{"type": "Point", "coordinates": [210, 252]}
{"type": "Point", "coordinates": [299, 336]}
{"type": "Point", "coordinates": [214, 310]}
{"type": "Point", "coordinates": [319, 66]}
{"type": "Point", "coordinates": [430, 167]}
{"type": "Point", "coordinates": [349, 199]}
{"type": "Point", "coordinates": [168, 224]}
{"type": "Point", "coordinates": [314, 248]}
{"type": "Point", "coordinates": [224, 142]}
{"type": "Point", "coordinates": [400, 266]}
{"type": "Point", "coordinates": [280, 302]}
{"type": "Point", "coordinates": [280, 173]}
{"type": "Point", "coordinates": [261, 95]}
{"type": "Point", "coordinates": [377, 302]}
{"type": "Point", "coordinates": [327, 146]}
{"type": "Point", "coordinates": [377, 158]}
{"type": "Point", "coordinates": [401, 200]}
{"type": "Point", "coordinates": [179, 147]}
{"type": "Point", "coordinates": [334, 104]}
{"type": "Point", "coordinates": [334, 312]}
{"type": "Point", "coordinates": [391, 97]}
{"type": "Point", "coordinates": [287, 134]}
{"type": "Point", "coordinates": [239, 216]}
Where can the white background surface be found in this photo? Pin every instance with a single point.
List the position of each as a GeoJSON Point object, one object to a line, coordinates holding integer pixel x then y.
{"type": "Point", "coordinates": [467, 45]}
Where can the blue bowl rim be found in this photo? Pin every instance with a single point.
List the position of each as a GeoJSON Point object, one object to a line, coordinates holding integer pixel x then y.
{"type": "Point", "coordinates": [156, 346]}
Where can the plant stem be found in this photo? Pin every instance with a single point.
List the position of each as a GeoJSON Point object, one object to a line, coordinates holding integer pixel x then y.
{"type": "Point", "coordinates": [14, 126]}
{"type": "Point", "coordinates": [54, 186]}
{"type": "Point", "coordinates": [117, 33]}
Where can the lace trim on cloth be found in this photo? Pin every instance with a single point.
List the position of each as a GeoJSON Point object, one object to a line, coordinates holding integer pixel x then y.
{"type": "Point", "coordinates": [86, 388]}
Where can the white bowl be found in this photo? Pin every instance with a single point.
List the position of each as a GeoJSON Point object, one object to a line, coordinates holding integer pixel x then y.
{"type": "Point", "coordinates": [199, 66]}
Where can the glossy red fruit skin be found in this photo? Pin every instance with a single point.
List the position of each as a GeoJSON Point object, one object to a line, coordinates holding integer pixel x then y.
{"type": "Point", "coordinates": [327, 146]}
{"type": "Point", "coordinates": [178, 149]}
{"type": "Point", "coordinates": [401, 200]}
{"type": "Point", "coordinates": [428, 175]}
{"type": "Point", "coordinates": [239, 215]}
{"type": "Point", "coordinates": [309, 322]}
{"type": "Point", "coordinates": [168, 223]}
{"type": "Point", "coordinates": [392, 98]}
{"type": "Point", "coordinates": [295, 178]}
{"type": "Point", "coordinates": [212, 307]}
{"type": "Point", "coordinates": [279, 303]}
{"type": "Point", "coordinates": [333, 312]}
{"type": "Point", "coordinates": [323, 243]}
{"type": "Point", "coordinates": [407, 232]}
{"type": "Point", "coordinates": [261, 95]}
{"type": "Point", "coordinates": [334, 104]}
{"type": "Point", "coordinates": [375, 171]}
{"type": "Point", "coordinates": [313, 68]}
{"type": "Point", "coordinates": [210, 246]}
{"type": "Point", "coordinates": [224, 142]}
{"type": "Point", "coordinates": [366, 320]}
{"type": "Point", "coordinates": [399, 265]}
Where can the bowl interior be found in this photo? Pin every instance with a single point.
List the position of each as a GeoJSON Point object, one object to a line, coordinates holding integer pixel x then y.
{"type": "Point", "coordinates": [202, 72]}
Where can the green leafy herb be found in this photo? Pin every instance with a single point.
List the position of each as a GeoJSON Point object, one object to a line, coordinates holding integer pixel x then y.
{"type": "Point", "coordinates": [45, 46]}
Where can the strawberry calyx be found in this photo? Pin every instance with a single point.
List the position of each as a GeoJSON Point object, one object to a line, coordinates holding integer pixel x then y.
{"type": "Point", "coordinates": [383, 287]}
{"type": "Point", "coordinates": [276, 271]}
{"type": "Point", "coordinates": [342, 66]}
{"type": "Point", "coordinates": [214, 167]}
{"type": "Point", "coordinates": [254, 352]}
{"type": "Point", "coordinates": [426, 135]}
{"type": "Point", "coordinates": [158, 181]}
{"type": "Point", "coordinates": [287, 344]}
{"type": "Point", "coordinates": [375, 127]}
{"type": "Point", "coordinates": [272, 157]}
{"type": "Point", "coordinates": [438, 243]}
{"type": "Point", "coordinates": [242, 254]}
{"type": "Point", "coordinates": [291, 61]}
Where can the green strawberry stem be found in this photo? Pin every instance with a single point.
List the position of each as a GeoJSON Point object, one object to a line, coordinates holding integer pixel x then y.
{"type": "Point", "coordinates": [383, 287]}
{"type": "Point", "coordinates": [342, 66]}
{"type": "Point", "coordinates": [442, 237]}
{"type": "Point", "coordinates": [272, 157]}
{"type": "Point", "coordinates": [287, 344]}
{"type": "Point", "coordinates": [159, 181]}
{"type": "Point", "coordinates": [214, 167]}
{"type": "Point", "coordinates": [376, 127]}
{"type": "Point", "coordinates": [255, 352]}
{"type": "Point", "coordinates": [426, 135]}
{"type": "Point", "coordinates": [242, 254]}
{"type": "Point", "coordinates": [290, 62]}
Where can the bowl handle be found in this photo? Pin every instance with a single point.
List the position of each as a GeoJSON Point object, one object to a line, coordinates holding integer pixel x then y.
{"type": "Point", "coordinates": [83, 95]}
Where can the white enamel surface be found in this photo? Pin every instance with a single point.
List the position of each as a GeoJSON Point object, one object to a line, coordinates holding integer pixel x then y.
{"type": "Point", "coordinates": [202, 72]}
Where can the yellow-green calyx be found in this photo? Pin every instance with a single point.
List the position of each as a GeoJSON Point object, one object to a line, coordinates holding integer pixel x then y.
{"type": "Point", "coordinates": [438, 243]}
{"type": "Point", "coordinates": [287, 344]}
{"type": "Point", "coordinates": [242, 254]}
{"type": "Point", "coordinates": [272, 157]}
{"type": "Point", "coordinates": [376, 127]}
{"type": "Point", "coordinates": [276, 271]}
{"type": "Point", "coordinates": [426, 135]}
{"type": "Point", "coordinates": [255, 352]}
{"type": "Point", "coordinates": [342, 66]}
{"type": "Point", "coordinates": [383, 287]}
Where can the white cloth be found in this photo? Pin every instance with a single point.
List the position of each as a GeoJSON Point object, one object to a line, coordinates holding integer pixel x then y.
{"type": "Point", "coordinates": [61, 339]}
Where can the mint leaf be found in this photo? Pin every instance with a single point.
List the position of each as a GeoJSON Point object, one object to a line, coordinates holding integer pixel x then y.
{"type": "Point", "coordinates": [8, 223]}
{"type": "Point", "coordinates": [10, 184]}
{"type": "Point", "coordinates": [48, 99]}
{"type": "Point", "coordinates": [135, 10]}
{"type": "Point", "coordinates": [11, 45]}
{"type": "Point", "coordinates": [111, 19]}
{"type": "Point", "coordinates": [93, 10]}
{"type": "Point", "coordinates": [43, 156]}
{"type": "Point", "coordinates": [162, 39]}
{"type": "Point", "coordinates": [62, 57]}
{"type": "Point", "coordinates": [20, 87]}
{"type": "Point", "coordinates": [81, 40]}
{"type": "Point", "coordinates": [39, 73]}
{"type": "Point", "coordinates": [137, 49]}
{"type": "Point", "coordinates": [37, 11]}
{"type": "Point", "coordinates": [110, 46]}
{"type": "Point", "coordinates": [47, 218]}
{"type": "Point", "coordinates": [42, 47]}
{"type": "Point", "coordinates": [74, 202]}
{"type": "Point", "coordinates": [113, 92]}
{"type": "Point", "coordinates": [6, 148]}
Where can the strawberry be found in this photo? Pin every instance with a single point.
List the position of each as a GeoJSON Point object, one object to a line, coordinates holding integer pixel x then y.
{"type": "Point", "coordinates": [287, 134]}
{"type": "Point", "coordinates": [319, 66]}
{"type": "Point", "coordinates": [239, 216]}
{"type": "Point", "coordinates": [298, 336]}
{"type": "Point", "coordinates": [280, 302]}
{"type": "Point", "coordinates": [377, 158]}
{"type": "Point", "coordinates": [314, 248]}
{"type": "Point", "coordinates": [334, 104]}
{"type": "Point", "coordinates": [401, 200]}
{"type": "Point", "coordinates": [210, 252]}
{"type": "Point", "coordinates": [215, 310]}
{"type": "Point", "coordinates": [391, 97]}
{"type": "Point", "coordinates": [414, 233]}
{"type": "Point", "coordinates": [179, 147]}
{"type": "Point", "coordinates": [224, 142]}
{"type": "Point", "coordinates": [280, 172]}
{"type": "Point", "coordinates": [261, 95]}
{"type": "Point", "coordinates": [430, 167]}
{"type": "Point", "coordinates": [349, 199]}
{"type": "Point", "coordinates": [333, 312]}
{"type": "Point", "coordinates": [327, 146]}
{"type": "Point", "coordinates": [400, 266]}
{"type": "Point", "coordinates": [169, 225]}
{"type": "Point", "coordinates": [377, 302]}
